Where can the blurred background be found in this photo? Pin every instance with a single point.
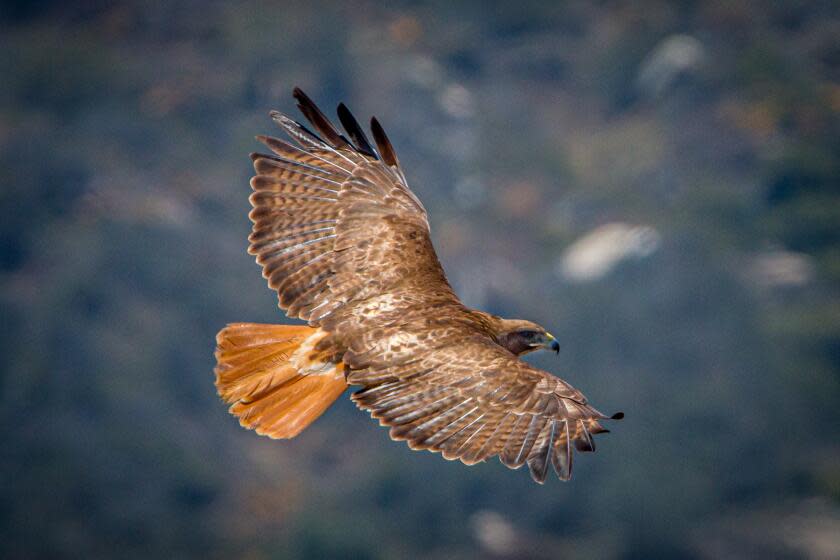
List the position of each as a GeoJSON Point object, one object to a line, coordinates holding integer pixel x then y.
{"type": "Point", "coordinates": [656, 183]}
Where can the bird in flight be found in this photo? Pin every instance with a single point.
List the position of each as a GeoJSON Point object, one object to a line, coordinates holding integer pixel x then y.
{"type": "Point", "coordinates": [346, 244]}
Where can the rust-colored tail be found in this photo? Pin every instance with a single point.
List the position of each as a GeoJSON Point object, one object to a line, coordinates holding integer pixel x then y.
{"type": "Point", "coordinates": [272, 386]}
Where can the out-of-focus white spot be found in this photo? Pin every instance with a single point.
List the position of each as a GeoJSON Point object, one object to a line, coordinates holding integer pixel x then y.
{"type": "Point", "coordinates": [671, 57]}
{"type": "Point", "coordinates": [493, 532]}
{"type": "Point", "coordinates": [424, 72]}
{"type": "Point", "coordinates": [595, 254]}
{"type": "Point", "coordinates": [814, 530]}
{"type": "Point", "coordinates": [457, 101]}
{"type": "Point", "coordinates": [781, 269]}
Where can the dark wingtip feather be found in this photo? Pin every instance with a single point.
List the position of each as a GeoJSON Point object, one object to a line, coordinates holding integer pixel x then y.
{"type": "Point", "coordinates": [321, 123]}
{"type": "Point", "coordinates": [562, 460]}
{"type": "Point", "coordinates": [389, 156]}
{"type": "Point", "coordinates": [538, 464]}
{"type": "Point", "coordinates": [596, 428]}
{"type": "Point", "coordinates": [617, 416]}
{"type": "Point", "coordinates": [356, 133]}
{"type": "Point", "coordinates": [561, 456]}
{"type": "Point", "coordinates": [585, 443]}
{"type": "Point", "coordinates": [537, 467]}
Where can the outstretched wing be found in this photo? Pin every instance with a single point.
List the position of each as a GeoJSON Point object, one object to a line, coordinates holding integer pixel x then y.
{"type": "Point", "coordinates": [346, 244]}
{"type": "Point", "coordinates": [471, 399]}
{"type": "Point", "coordinates": [335, 221]}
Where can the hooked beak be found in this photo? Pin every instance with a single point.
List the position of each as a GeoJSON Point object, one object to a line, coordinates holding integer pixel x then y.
{"type": "Point", "coordinates": [550, 343]}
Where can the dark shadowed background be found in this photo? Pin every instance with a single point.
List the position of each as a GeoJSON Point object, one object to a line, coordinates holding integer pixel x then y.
{"type": "Point", "coordinates": [658, 184]}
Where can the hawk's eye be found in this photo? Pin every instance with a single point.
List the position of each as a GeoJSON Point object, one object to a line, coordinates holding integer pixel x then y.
{"type": "Point", "coordinates": [527, 334]}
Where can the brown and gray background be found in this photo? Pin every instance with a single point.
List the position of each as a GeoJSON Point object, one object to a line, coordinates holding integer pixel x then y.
{"type": "Point", "coordinates": [657, 183]}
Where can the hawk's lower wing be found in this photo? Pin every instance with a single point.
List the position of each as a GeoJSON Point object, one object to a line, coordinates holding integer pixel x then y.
{"type": "Point", "coordinates": [471, 399]}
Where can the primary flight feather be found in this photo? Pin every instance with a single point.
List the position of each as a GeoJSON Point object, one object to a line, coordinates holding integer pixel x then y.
{"type": "Point", "coordinates": [346, 244]}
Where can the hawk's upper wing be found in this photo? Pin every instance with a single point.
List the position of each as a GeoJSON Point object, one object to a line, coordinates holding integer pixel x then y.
{"type": "Point", "coordinates": [335, 222]}
{"type": "Point", "coordinates": [471, 399]}
{"type": "Point", "coordinates": [346, 245]}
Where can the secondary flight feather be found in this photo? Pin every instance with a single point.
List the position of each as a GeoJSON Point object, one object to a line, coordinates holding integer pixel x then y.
{"type": "Point", "coordinates": [346, 245]}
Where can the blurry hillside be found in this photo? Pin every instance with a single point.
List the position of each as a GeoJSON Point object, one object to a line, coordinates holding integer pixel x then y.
{"type": "Point", "coordinates": [658, 185]}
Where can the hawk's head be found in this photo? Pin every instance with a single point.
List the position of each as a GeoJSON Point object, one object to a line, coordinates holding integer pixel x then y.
{"type": "Point", "coordinates": [520, 336]}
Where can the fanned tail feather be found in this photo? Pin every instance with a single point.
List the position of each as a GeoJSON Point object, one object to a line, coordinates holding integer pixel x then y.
{"type": "Point", "coordinates": [258, 372]}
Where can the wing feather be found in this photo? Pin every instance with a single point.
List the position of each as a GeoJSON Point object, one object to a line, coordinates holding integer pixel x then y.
{"type": "Point", "coordinates": [321, 123]}
{"type": "Point", "coordinates": [561, 456]}
{"type": "Point", "coordinates": [389, 155]}
{"type": "Point", "coordinates": [351, 125]}
{"type": "Point", "coordinates": [474, 400]}
{"type": "Point", "coordinates": [334, 224]}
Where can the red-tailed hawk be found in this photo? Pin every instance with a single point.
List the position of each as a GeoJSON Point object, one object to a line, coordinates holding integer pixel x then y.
{"type": "Point", "coordinates": [346, 244]}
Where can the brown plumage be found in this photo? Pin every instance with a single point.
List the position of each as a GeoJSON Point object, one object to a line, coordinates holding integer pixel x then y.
{"type": "Point", "coordinates": [346, 244]}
